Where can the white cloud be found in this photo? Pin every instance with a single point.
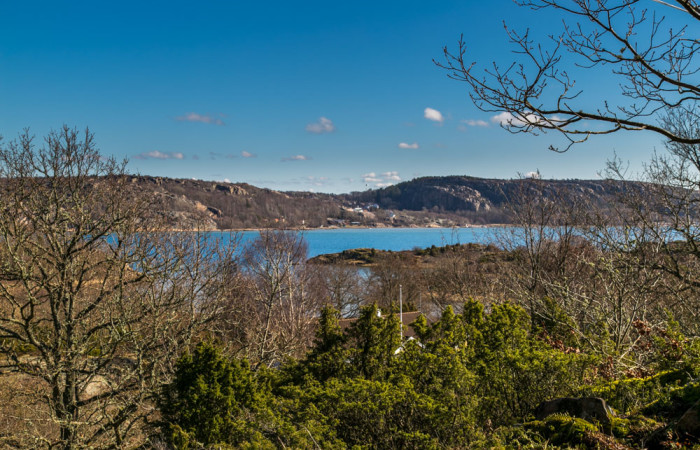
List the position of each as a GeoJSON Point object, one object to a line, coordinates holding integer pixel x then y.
{"type": "Point", "coordinates": [246, 154]}
{"type": "Point", "coordinates": [371, 177]}
{"type": "Point", "coordinates": [433, 114]}
{"type": "Point", "coordinates": [534, 175]}
{"type": "Point", "coordinates": [297, 158]}
{"type": "Point", "coordinates": [392, 176]}
{"type": "Point", "coordinates": [202, 118]}
{"type": "Point", "coordinates": [382, 180]}
{"type": "Point", "coordinates": [323, 125]}
{"type": "Point", "coordinates": [406, 145]}
{"type": "Point", "coordinates": [475, 123]}
{"type": "Point", "coordinates": [507, 119]}
{"type": "Point", "coordinates": [155, 154]}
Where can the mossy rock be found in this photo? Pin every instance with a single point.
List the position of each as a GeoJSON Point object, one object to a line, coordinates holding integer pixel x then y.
{"type": "Point", "coordinates": [564, 430]}
{"type": "Point", "coordinates": [621, 428]}
{"type": "Point", "coordinates": [675, 403]}
{"type": "Point", "coordinates": [635, 430]}
{"type": "Point", "coordinates": [632, 394]}
{"type": "Point", "coordinates": [689, 423]}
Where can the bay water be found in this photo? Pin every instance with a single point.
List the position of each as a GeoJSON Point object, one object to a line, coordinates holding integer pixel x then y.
{"type": "Point", "coordinates": [321, 241]}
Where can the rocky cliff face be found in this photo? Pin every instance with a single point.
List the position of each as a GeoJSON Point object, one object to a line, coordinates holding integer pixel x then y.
{"type": "Point", "coordinates": [469, 194]}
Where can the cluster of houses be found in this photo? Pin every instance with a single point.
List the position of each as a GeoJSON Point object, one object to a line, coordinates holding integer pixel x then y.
{"type": "Point", "coordinates": [362, 211]}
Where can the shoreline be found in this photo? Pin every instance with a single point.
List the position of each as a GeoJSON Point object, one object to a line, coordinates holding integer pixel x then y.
{"type": "Point", "coordinates": [333, 228]}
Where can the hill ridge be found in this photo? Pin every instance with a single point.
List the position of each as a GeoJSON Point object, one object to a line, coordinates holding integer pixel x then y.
{"type": "Point", "coordinates": [453, 200]}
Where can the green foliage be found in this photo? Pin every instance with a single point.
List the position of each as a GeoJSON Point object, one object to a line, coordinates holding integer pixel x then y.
{"type": "Point", "coordinates": [516, 371]}
{"type": "Point", "coordinates": [631, 394]}
{"type": "Point", "coordinates": [211, 401]}
{"type": "Point", "coordinates": [373, 341]}
{"type": "Point", "coordinates": [561, 429]}
{"type": "Point", "coordinates": [463, 383]}
{"type": "Point", "coordinates": [328, 357]}
{"type": "Point", "coordinates": [379, 414]}
{"type": "Point", "coordinates": [675, 403]}
{"type": "Point", "coordinates": [620, 427]}
{"type": "Point", "coordinates": [556, 323]}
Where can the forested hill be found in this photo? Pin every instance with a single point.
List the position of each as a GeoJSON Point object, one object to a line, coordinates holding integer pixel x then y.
{"type": "Point", "coordinates": [427, 201]}
{"type": "Point", "coordinates": [463, 193]}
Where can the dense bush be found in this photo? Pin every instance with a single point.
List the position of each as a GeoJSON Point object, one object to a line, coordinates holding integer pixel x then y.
{"type": "Point", "coordinates": [465, 375]}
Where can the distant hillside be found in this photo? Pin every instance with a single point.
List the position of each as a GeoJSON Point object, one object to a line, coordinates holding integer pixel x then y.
{"type": "Point", "coordinates": [427, 201]}
{"type": "Point", "coordinates": [214, 205]}
{"type": "Point", "coordinates": [470, 194]}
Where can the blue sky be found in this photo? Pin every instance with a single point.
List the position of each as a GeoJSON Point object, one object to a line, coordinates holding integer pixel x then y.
{"type": "Point", "coordinates": [323, 96]}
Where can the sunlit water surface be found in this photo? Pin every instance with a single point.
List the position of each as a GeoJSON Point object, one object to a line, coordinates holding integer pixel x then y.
{"type": "Point", "coordinates": [336, 240]}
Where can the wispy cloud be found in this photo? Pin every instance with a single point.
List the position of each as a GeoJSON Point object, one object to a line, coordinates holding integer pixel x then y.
{"type": "Point", "coordinates": [216, 155]}
{"type": "Point", "coordinates": [371, 177]}
{"type": "Point", "coordinates": [297, 158]}
{"type": "Point", "coordinates": [433, 114]}
{"type": "Point", "coordinates": [324, 125]}
{"type": "Point", "coordinates": [381, 180]}
{"type": "Point", "coordinates": [202, 118]}
{"type": "Point", "coordinates": [391, 176]}
{"type": "Point", "coordinates": [317, 181]}
{"type": "Point", "coordinates": [475, 123]}
{"type": "Point", "coordinates": [407, 145]}
{"type": "Point", "coordinates": [155, 154]}
{"type": "Point", "coordinates": [246, 154]}
{"type": "Point", "coordinates": [506, 118]}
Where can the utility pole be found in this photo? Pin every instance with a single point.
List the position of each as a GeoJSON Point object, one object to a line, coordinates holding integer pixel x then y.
{"type": "Point", "coordinates": [401, 312]}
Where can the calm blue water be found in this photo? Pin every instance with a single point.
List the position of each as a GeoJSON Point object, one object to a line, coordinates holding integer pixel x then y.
{"type": "Point", "coordinates": [337, 240]}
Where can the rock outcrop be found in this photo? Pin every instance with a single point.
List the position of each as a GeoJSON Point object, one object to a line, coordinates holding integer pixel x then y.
{"type": "Point", "coordinates": [689, 423]}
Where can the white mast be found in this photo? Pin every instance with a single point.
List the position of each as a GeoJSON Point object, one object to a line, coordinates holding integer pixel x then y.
{"type": "Point", "coordinates": [401, 312]}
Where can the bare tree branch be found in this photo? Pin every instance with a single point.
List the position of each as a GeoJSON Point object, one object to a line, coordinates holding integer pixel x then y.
{"type": "Point", "coordinates": [655, 67]}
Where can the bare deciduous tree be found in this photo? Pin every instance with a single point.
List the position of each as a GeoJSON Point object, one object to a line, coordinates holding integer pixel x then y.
{"type": "Point", "coordinates": [279, 309]}
{"type": "Point", "coordinates": [663, 218]}
{"type": "Point", "coordinates": [652, 63]}
{"type": "Point", "coordinates": [95, 297]}
{"type": "Point", "coordinates": [342, 286]}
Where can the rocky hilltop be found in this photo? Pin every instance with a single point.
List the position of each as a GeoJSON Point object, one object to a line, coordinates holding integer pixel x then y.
{"type": "Point", "coordinates": [427, 201]}
{"type": "Point", "coordinates": [470, 194]}
{"type": "Point", "coordinates": [212, 205]}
